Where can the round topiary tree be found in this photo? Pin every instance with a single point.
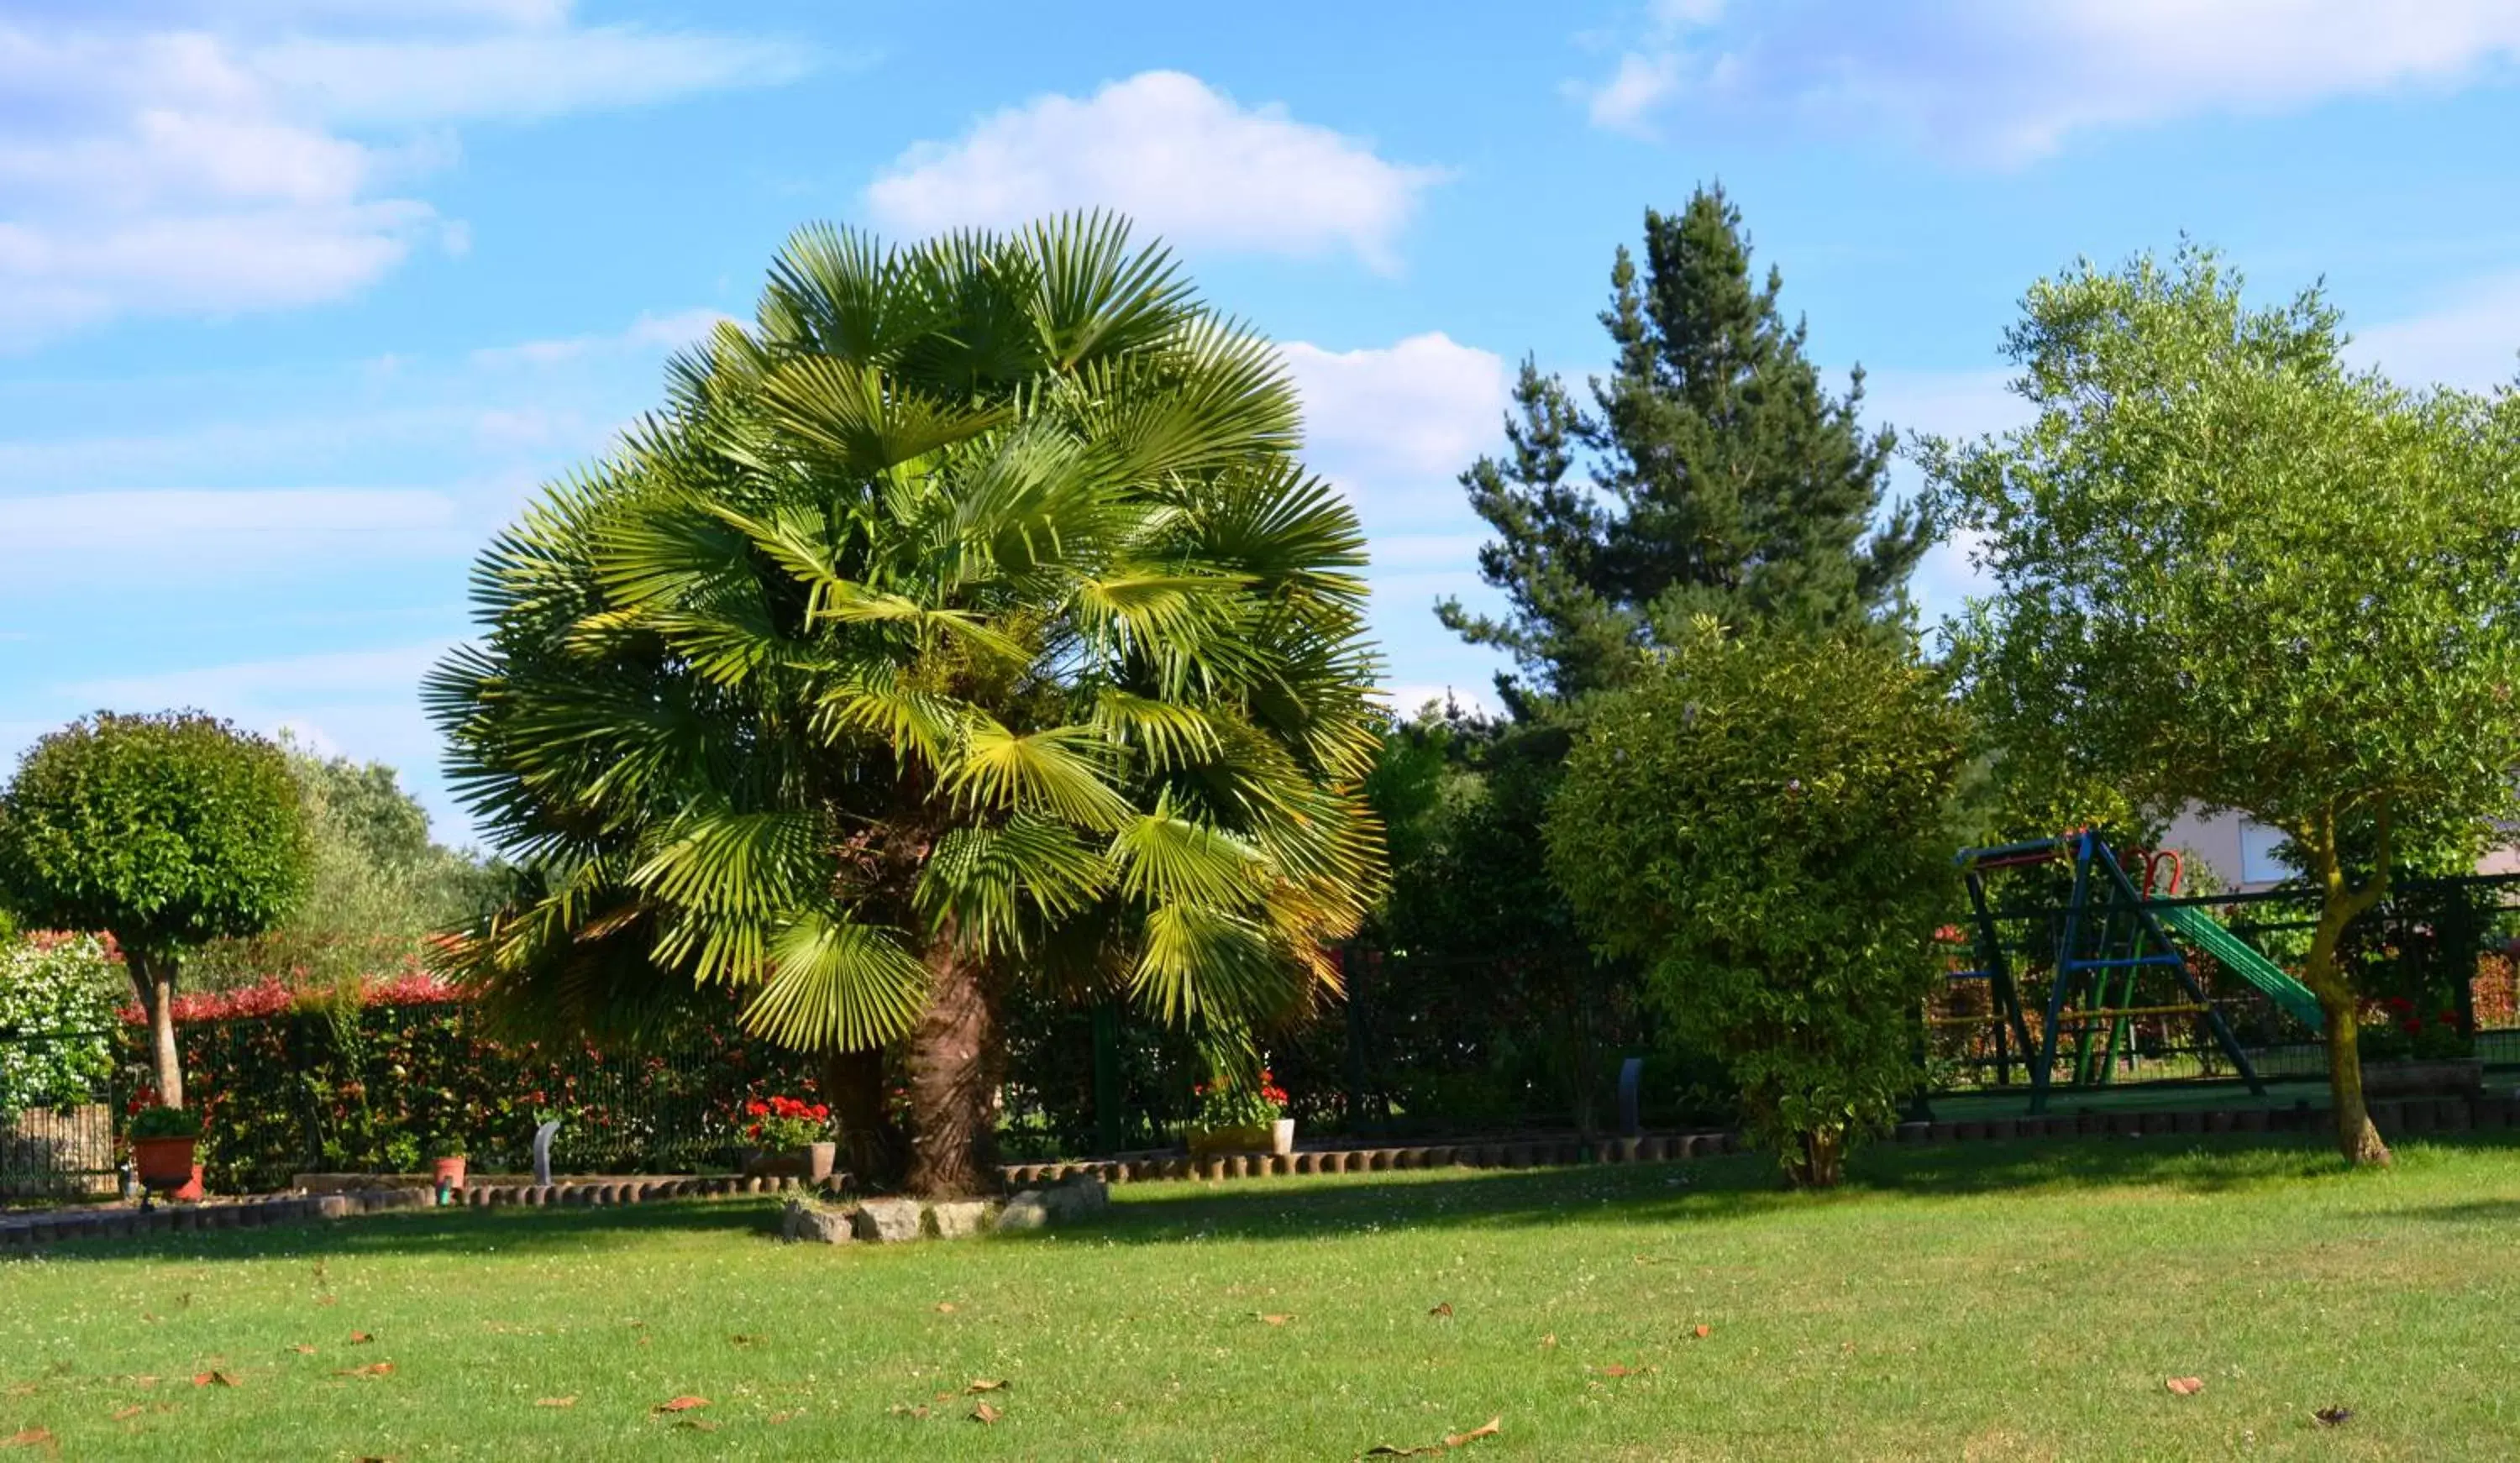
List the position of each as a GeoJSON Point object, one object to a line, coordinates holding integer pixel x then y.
{"type": "Point", "coordinates": [164, 831]}
{"type": "Point", "coordinates": [1766, 820]}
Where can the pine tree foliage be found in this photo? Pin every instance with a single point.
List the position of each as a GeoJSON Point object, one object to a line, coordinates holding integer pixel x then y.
{"type": "Point", "coordinates": [1711, 475]}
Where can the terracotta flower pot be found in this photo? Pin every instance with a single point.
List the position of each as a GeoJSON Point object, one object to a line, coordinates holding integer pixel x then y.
{"type": "Point", "coordinates": [812, 1163]}
{"type": "Point", "coordinates": [164, 1165]}
{"type": "Point", "coordinates": [448, 1172]}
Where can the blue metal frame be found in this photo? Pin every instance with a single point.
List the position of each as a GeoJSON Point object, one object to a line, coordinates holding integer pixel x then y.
{"type": "Point", "coordinates": [2146, 941]}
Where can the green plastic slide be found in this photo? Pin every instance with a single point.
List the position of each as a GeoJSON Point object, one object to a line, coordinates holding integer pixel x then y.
{"type": "Point", "coordinates": [2238, 957]}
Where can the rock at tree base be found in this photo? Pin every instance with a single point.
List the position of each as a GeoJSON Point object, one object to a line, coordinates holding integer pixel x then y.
{"type": "Point", "coordinates": [1077, 1198]}
{"type": "Point", "coordinates": [959, 1220]}
{"type": "Point", "coordinates": [888, 1221]}
{"type": "Point", "coordinates": [816, 1224]}
{"type": "Point", "coordinates": [1025, 1210]}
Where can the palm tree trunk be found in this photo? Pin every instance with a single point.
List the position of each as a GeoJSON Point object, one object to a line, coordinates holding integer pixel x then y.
{"type": "Point", "coordinates": [953, 1078]}
{"type": "Point", "coordinates": [870, 1144]}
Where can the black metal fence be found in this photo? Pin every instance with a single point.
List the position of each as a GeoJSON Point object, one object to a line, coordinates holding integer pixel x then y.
{"type": "Point", "coordinates": [59, 1142]}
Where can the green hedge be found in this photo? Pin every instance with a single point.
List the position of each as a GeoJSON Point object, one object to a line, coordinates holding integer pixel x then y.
{"type": "Point", "coordinates": [362, 1088]}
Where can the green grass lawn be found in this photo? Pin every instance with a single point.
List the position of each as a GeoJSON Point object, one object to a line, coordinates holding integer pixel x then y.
{"type": "Point", "coordinates": [1997, 1302]}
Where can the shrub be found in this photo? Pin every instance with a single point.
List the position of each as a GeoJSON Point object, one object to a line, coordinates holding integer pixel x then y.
{"type": "Point", "coordinates": [55, 1021]}
{"type": "Point", "coordinates": [1766, 819]}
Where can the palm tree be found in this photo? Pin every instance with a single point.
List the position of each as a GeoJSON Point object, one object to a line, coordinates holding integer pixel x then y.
{"type": "Point", "coordinates": [967, 620]}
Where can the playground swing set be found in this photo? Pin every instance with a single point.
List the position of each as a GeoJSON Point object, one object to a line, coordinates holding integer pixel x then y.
{"type": "Point", "coordinates": [2117, 959]}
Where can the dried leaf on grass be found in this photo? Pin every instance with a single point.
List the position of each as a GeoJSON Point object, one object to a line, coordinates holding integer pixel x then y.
{"type": "Point", "coordinates": [372, 1369]}
{"type": "Point", "coordinates": [302, 1348]}
{"type": "Point", "coordinates": [555, 1401]}
{"type": "Point", "coordinates": [1444, 1309]}
{"type": "Point", "coordinates": [1488, 1428]}
{"type": "Point", "coordinates": [213, 1379]}
{"type": "Point", "coordinates": [946, 1307]}
{"type": "Point", "coordinates": [1276, 1320]}
{"type": "Point", "coordinates": [682, 1404]}
{"type": "Point", "coordinates": [2333, 1417]}
{"type": "Point", "coordinates": [986, 1384]}
{"type": "Point", "coordinates": [125, 1414]}
{"type": "Point", "coordinates": [1702, 1331]}
{"type": "Point", "coordinates": [361, 1338]}
{"type": "Point", "coordinates": [904, 1409]}
{"type": "Point", "coordinates": [2186, 1386]}
{"type": "Point", "coordinates": [984, 1414]}
{"type": "Point", "coordinates": [30, 1438]}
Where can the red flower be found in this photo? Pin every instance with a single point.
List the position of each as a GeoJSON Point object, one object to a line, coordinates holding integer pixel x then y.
{"type": "Point", "coordinates": [2400, 1005]}
{"type": "Point", "coordinates": [2414, 1027]}
{"type": "Point", "coordinates": [2449, 1017]}
{"type": "Point", "coordinates": [819, 1111]}
{"type": "Point", "coordinates": [757, 1109]}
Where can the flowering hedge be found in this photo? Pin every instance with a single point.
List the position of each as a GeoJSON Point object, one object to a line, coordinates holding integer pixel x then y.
{"type": "Point", "coordinates": [361, 1081]}
{"type": "Point", "coordinates": [56, 1012]}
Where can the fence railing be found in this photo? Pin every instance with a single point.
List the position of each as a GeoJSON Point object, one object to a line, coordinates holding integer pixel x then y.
{"type": "Point", "coordinates": [57, 1107]}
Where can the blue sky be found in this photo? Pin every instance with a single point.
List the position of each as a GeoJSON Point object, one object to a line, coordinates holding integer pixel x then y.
{"type": "Point", "coordinates": [300, 299]}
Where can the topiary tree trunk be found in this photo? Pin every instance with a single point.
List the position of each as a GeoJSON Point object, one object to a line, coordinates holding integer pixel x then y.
{"type": "Point", "coordinates": [152, 978]}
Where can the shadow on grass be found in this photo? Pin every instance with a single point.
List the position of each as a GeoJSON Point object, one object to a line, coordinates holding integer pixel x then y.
{"type": "Point", "coordinates": [1712, 1190]}
{"type": "Point", "coordinates": [1706, 1190]}
{"type": "Point", "coordinates": [447, 1231]}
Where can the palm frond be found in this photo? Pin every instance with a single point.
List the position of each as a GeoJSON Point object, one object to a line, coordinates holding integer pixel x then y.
{"type": "Point", "coordinates": [833, 983]}
{"type": "Point", "coordinates": [1056, 771]}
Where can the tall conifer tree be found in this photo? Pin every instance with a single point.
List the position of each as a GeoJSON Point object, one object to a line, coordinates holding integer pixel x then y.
{"type": "Point", "coordinates": [1718, 476]}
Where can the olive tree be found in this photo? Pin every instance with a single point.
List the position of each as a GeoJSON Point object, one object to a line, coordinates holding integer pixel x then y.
{"type": "Point", "coordinates": [165, 832]}
{"type": "Point", "coordinates": [2232, 572]}
{"type": "Point", "coordinates": [1766, 820]}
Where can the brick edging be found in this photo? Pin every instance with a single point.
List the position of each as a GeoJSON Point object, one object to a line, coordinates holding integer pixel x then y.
{"type": "Point", "coordinates": [2395, 1117]}
{"type": "Point", "coordinates": [33, 1231]}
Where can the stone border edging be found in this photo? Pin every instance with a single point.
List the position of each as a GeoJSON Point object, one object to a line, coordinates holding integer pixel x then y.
{"type": "Point", "coordinates": [2396, 1118]}
{"type": "Point", "coordinates": [34, 1230]}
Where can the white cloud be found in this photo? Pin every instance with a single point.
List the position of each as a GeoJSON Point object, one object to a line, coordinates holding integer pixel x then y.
{"type": "Point", "coordinates": [361, 703]}
{"type": "Point", "coordinates": [2002, 81]}
{"type": "Point", "coordinates": [1635, 91]}
{"type": "Point", "coordinates": [650, 332]}
{"type": "Point", "coordinates": [1175, 155]}
{"type": "Point", "coordinates": [1426, 406]}
{"type": "Point", "coordinates": [520, 77]}
{"type": "Point", "coordinates": [191, 536]}
{"type": "Point", "coordinates": [168, 160]}
{"type": "Point", "coordinates": [2473, 341]}
{"type": "Point", "coordinates": [258, 690]}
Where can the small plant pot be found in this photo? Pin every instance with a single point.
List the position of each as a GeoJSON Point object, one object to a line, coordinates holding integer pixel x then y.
{"type": "Point", "coordinates": [447, 1172]}
{"type": "Point", "coordinates": [813, 1163]}
{"type": "Point", "coordinates": [1282, 1136]}
{"type": "Point", "coordinates": [164, 1165]}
